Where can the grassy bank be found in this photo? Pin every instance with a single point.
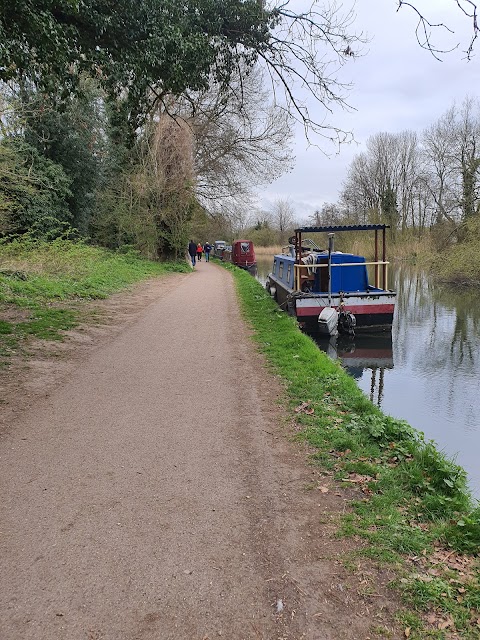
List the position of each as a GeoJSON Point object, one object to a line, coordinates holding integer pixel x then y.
{"type": "Point", "coordinates": [43, 285]}
{"type": "Point", "coordinates": [413, 508]}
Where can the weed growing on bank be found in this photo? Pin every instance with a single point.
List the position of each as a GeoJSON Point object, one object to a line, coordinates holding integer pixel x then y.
{"type": "Point", "coordinates": [460, 263]}
{"type": "Point", "coordinates": [413, 507]}
{"type": "Point", "coordinates": [42, 285]}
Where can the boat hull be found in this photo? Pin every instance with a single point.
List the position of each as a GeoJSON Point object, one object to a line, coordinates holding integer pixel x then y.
{"type": "Point", "coordinates": [373, 310]}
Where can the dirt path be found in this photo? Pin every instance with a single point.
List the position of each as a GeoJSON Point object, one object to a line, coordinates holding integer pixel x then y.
{"type": "Point", "coordinates": [153, 494]}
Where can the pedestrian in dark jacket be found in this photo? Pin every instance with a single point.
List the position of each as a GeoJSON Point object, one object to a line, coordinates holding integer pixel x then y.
{"type": "Point", "coordinates": [207, 248]}
{"type": "Point", "coordinates": [192, 251]}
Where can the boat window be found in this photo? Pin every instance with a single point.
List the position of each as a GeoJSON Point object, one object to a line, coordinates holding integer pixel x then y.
{"type": "Point", "coordinates": [289, 271]}
{"type": "Point", "coordinates": [244, 247]}
{"type": "Point", "coordinates": [280, 269]}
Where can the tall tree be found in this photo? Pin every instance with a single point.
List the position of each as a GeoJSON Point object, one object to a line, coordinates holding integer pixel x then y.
{"type": "Point", "coordinates": [283, 215]}
{"type": "Point", "coordinates": [467, 152]}
{"type": "Point", "coordinates": [72, 132]}
{"type": "Point", "coordinates": [452, 150]}
{"type": "Point", "coordinates": [241, 142]}
{"type": "Point", "coordinates": [151, 202]}
{"type": "Point", "coordinates": [438, 152]}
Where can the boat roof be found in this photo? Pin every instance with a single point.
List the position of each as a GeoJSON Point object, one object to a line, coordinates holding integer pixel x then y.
{"type": "Point", "coordinates": [339, 227]}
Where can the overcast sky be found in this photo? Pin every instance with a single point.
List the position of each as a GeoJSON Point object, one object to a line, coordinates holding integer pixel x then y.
{"type": "Point", "coordinates": [397, 86]}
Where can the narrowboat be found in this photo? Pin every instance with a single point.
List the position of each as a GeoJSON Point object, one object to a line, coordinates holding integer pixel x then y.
{"type": "Point", "coordinates": [241, 254]}
{"type": "Point", "coordinates": [328, 291]}
{"type": "Point", "coordinates": [219, 248]}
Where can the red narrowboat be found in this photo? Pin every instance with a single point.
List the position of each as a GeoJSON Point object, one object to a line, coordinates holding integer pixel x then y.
{"type": "Point", "coordinates": [242, 254]}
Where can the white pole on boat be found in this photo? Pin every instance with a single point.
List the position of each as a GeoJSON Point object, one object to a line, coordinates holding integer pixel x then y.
{"type": "Point", "coordinates": [330, 249]}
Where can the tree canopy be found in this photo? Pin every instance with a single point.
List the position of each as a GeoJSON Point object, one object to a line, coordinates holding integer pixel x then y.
{"type": "Point", "coordinates": [144, 50]}
{"type": "Point", "coordinates": [140, 49]}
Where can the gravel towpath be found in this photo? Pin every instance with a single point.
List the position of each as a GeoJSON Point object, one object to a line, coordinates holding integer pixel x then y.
{"type": "Point", "coordinates": [153, 494]}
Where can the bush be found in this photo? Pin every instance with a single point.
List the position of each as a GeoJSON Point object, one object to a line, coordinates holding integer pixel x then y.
{"type": "Point", "coordinates": [34, 192]}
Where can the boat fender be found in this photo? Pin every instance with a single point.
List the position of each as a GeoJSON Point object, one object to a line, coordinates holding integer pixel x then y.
{"type": "Point", "coordinates": [273, 292]}
{"type": "Point", "coordinates": [346, 323]}
{"type": "Point", "coordinates": [328, 322]}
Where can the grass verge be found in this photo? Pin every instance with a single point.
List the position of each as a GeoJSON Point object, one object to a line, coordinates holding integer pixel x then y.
{"type": "Point", "coordinates": [413, 509]}
{"type": "Point", "coordinates": [42, 285]}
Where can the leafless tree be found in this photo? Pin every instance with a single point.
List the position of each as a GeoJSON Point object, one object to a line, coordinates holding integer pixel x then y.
{"type": "Point", "coordinates": [304, 56]}
{"type": "Point", "coordinates": [390, 165]}
{"type": "Point", "coordinates": [283, 215]}
{"type": "Point", "coordinates": [440, 179]}
{"type": "Point", "coordinates": [425, 26]}
{"type": "Point", "coordinates": [329, 214]}
{"type": "Point", "coordinates": [451, 147]}
{"type": "Point", "coordinates": [241, 142]}
{"type": "Point", "coordinates": [307, 50]}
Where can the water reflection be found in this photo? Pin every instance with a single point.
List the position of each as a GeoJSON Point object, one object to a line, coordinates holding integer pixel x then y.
{"type": "Point", "coordinates": [429, 371]}
{"type": "Point", "coordinates": [364, 355]}
{"type": "Point", "coordinates": [264, 266]}
{"type": "Point", "coordinates": [437, 355]}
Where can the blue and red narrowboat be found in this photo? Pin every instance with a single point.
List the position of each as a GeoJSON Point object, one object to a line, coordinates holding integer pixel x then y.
{"type": "Point", "coordinates": [329, 291]}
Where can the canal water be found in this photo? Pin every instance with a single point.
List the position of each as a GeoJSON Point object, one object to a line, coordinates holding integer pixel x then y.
{"type": "Point", "coordinates": [427, 371]}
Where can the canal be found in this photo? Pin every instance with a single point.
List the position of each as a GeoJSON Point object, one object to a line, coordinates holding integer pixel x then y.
{"type": "Point", "coordinates": [427, 371]}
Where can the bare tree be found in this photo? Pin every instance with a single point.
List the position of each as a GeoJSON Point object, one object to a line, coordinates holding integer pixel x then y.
{"type": "Point", "coordinates": [329, 214]}
{"type": "Point", "coordinates": [440, 179]}
{"type": "Point", "coordinates": [307, 50]}
{"type": "Point", "coordinates": [452, 153]}
{"type": "Point", "coordinates": [241, 142]}
{"type": "Point", "coordinates": [388, 173]}
{"type": "Point", "coordinates": [425, 27]}
{"type": "Point", "coordinates": [283, 215]}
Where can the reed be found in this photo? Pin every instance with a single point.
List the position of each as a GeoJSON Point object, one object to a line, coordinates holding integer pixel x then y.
{"type": "Point", "coordinates": [268, 251]}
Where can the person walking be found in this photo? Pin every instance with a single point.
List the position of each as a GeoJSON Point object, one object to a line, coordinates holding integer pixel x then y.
{"type": "Point", "coordinates": [207, 247]}
{"type": "Point", "coordinates": [199, 252]}
{"type": "Point", "coordinates": [192, 251]}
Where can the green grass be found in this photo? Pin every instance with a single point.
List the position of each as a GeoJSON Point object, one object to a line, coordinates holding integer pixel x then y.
{"type": "Point", "coordinates": [413, 503]}
{"type": "Point", "coordinates": [43, 285]}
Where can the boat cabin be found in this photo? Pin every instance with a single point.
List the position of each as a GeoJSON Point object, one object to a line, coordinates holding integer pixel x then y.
{"type": "Point", "coordinates": [349, 274]}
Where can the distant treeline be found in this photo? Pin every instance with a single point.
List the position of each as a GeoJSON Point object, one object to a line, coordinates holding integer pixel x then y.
{"type": "Point", "coordinates": [416, 181]}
